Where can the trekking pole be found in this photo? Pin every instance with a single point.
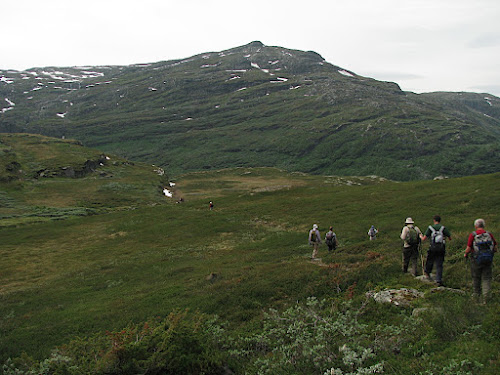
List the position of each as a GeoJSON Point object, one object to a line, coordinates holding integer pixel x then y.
{"type": "Point", "coordinates": [421, 257]}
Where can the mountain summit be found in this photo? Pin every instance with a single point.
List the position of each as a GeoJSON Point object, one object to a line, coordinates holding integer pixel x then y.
{"type": "Point", "coordinates": [257, 105]}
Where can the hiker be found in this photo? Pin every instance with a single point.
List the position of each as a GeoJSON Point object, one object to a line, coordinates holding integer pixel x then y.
{"type": "Point", "coordinates": [372, 232]}
{"type": "Point", "coordinates": [437, 249]}
{"type": "Point", "coordinates": [480, 249]}
{"type": "Point", "coordinates": [314, 240]}
{"type": "Point", "coordinates": [211, 206]}
{"type": "Point", "coordinates": [331, 240]}
{"type": "Point", "coordinates": [411, 237]}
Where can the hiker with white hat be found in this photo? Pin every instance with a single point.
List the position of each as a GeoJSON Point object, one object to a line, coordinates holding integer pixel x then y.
{"type": "Point", "coordinates": [411, 242]}
{"type": "Point", "coordinates": [314, 240]}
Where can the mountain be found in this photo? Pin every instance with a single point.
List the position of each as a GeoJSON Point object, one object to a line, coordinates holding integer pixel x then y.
{"type": "Point", "coordinates": [257, 105]}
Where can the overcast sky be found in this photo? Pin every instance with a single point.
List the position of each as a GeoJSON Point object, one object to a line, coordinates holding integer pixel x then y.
{"type": "Point", "coordinates": [423, 45]}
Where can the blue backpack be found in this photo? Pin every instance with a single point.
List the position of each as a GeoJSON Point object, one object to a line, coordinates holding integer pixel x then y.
{"type": "Point", "coordinates": [483, 248]}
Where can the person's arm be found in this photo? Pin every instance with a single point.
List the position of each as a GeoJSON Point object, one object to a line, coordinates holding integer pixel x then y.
{"type": "Point", "coordinates": [495, 245]}
{"type": "Point", "coordinates": [404, 233]}
{"type": "Point", "coordinates": [447, 233]}
{"type": "Point", "coordinates": [426, 235]}
{"type": "Point", "coordinates": [318, 236]}
{"type": "Point", "coordinates": [470, 242]}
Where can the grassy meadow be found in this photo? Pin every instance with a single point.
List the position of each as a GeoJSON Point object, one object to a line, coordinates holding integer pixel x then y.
{"type": "Point", "coordinates": [86, 274]}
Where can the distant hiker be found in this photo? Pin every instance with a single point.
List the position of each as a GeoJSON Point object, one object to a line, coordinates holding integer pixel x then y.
{"type": "Point", "coordinates": [411, 237]}
{"type": "Point", "coordinates": [211, 206]}
{"type": "Point", "coordinates": [331, 239]}
{"type": "Point", "coordinates": [314, 240]}
{"type": "Point", "coordinates": [480, 249]}
{"type": "Point", "coordinates": [372, 232]}
{"type": "Point", "coordinates": [437, 249]}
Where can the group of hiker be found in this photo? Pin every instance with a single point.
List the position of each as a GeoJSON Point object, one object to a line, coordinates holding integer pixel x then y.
{"type": "Point", "coordinates": [481, 246]}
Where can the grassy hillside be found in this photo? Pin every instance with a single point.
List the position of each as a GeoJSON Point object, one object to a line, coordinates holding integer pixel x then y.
{"type": "Point", "coordinates": [257, 106]}
{"type": "Point", "coordinates": [86, 275]}
{"type": "Point", "coordinates": [45, 178]}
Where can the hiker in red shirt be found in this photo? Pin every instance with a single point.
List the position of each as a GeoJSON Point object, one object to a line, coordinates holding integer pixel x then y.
{"type": "Point", "coordinates": [480, 249]}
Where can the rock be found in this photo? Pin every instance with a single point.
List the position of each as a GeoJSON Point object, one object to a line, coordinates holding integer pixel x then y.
{"type": "Point", "coordinates": [445, 289]}
{"type": "Point", "coordinates": [398, 297]}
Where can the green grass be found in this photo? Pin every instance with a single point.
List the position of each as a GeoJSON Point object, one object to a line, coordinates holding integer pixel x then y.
{"type": "Point", "coordinates": [82, 275]}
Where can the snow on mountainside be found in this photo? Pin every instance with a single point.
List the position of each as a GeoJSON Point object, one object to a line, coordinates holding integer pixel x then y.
{"type": "Point", "coordinates": [254, 105]}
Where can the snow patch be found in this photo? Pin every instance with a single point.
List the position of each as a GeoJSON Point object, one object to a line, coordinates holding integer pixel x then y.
{"type": "Point", "coordinates": [346, 73]}
{"type": "Point", "coordinates": [167, 193]}
{"type": "Point", "coordinates": [243, 88]}
{"type": "Point", "coordinates": [280, 80]}
{"type": "Point", "coordinates": [12, 104]}
{"type": "Point", "coordinates": [62, 115]}
{"type": "Point", "coordinates": [488, 100]}
{"type": "Point", "coordinates": [6, 80]}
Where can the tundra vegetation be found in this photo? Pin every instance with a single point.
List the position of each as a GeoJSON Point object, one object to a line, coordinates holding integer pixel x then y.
{"type": "Point", "coordinates": [119, 279]}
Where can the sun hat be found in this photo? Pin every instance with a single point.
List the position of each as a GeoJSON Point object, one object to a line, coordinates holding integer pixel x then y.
{"type": "Point", "coordinates": [315, 226]}
{"type": "Point", "coordinates": [409, 220]}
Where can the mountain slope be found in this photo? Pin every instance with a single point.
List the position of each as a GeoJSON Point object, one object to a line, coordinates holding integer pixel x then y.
{"type": "Point", "coordinates": [257, 106]}
{"type": "Point", "coordinates": [43, 179]}
{"type": "Point", "coordinates": [86, 279]}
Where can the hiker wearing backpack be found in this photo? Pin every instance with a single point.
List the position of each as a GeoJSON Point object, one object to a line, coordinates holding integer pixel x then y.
{"type": "Point", "coordinates": [481, 246]}
{"type": "Point", "coordinates": [314, 240]}
{"type": "Point", "coordinates": [437, 248]}
{"type": "Point", "coordinates": [331, 240]}
{"type": "Point", "coordinates": [411, 237]}
{"type": "Point", "coordinates": [372, 232]}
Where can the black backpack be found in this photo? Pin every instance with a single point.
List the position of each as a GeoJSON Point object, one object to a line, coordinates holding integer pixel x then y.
{"type": "Point", "coordinates": [330, 238]}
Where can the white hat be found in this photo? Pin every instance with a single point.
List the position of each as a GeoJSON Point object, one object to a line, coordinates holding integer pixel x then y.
{"type": "Point", "coordinates": [315, 226]}
{"type": "Point", "coordinates": [409, 220]}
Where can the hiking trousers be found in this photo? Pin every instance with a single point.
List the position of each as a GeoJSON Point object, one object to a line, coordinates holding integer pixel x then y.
{"type": "Point", "coordinates": [481, 279]}
{"type": "Point", "coordinates": [410, 255]}
{"type": "Point", "coordinates": [315, 249]}
{"type": "Point", "coordinates": [435, 258]}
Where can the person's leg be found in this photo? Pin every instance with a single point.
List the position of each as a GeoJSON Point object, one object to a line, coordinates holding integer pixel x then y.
{"type": "Point", "coordinates": [476, 279]}
{"type": "Point", "coordinates": [315, 250]}
{"type": "Point", "coordinates": [429, 263]}
{"type": "Point", "coordinates": [406, 258]}
{"type": "Point", "coordinates": [486, 276]}
{"type": "Point", "coordinates": [439, 260]}
{"type": "Point", "coordinates": [414, 260]}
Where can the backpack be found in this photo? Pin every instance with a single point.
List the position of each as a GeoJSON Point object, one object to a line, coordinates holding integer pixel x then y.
{"type": "Point", "coordinates": [372, 232]}
{"type": "Point", "coordinates": [437, 240]}
{"type": "Point", "coordinates": [483, 248]}
{"type": "Point", "coordinates": [412, 237]}
{"type": "Point", "coordinates": [313, 236]}
{"type": "Point", "coordinates": [330, 238]}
